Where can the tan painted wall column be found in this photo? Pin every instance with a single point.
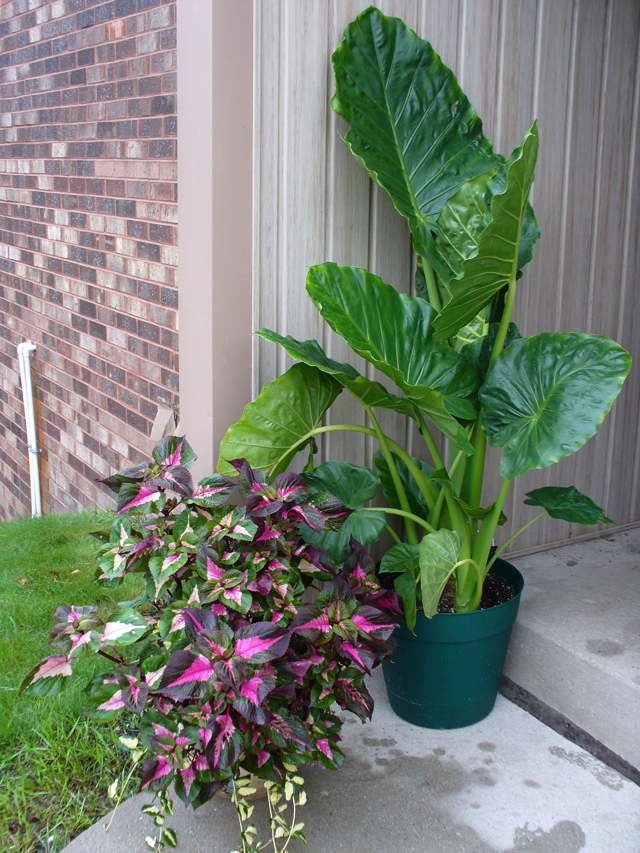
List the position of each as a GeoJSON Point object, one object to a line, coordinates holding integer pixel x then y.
{"type": "Point", "coordinates": [215, 130]}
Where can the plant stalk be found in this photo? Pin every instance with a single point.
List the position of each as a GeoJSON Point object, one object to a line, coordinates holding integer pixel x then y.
{"type": "Point", "coordinates": [474, 601]}
{"type": "Point", "coordinates": [503, 328]}
{"type": "Point", "coordinates": [476, 468]}
{"type": "Point", "coordinates": [488, 529]}
{"type": "Point", "coordinates": [393, 534]}
{"type": "Point", "coordinates": [412, 534]}
{"type": "Point", "coordinates": [511, 539]}
{"type": "Point", "coordinates": [457, 516]}
{"type": "Point", "coordinates": [406, 515]}
{"type": "Point", "coordinates": [428, 490]}
{"type": "Point", "coordinates": [432, 287]}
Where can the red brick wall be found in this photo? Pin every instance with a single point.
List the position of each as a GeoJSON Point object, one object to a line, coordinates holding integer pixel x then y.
{"type": "Point", "coordinates": [87, 238]}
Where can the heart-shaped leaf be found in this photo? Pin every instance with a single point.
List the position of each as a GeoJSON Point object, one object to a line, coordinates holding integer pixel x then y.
{"type": "Point", "coordinates": [568, 504]}
{"type": "Point", "coordinates": [438, 556]}
{"type": "Point", "coordinates": [284, 412]}
{"type": "Point", "coordinates": [353, 485]}
{"type": "Point", "coordinates": [547, 395]}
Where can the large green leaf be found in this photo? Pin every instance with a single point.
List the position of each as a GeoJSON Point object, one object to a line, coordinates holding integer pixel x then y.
{"type": "Point", "coordinates": [412, 127]}
{"type": "Point", "coordinates": [393, 332]}
{"type": "Point", "coordinates": [547, 395]}
{"type": "Point", "coordinates": [568, 504]}
{"type": "Point", "coordinates": [413, 493]}
{"type": "Point", "coordinates": [438, 557]}
{"type": "Point", "coordinates": [494, 263]}
{"type": "Point", "coordinates": [353, 485]}
{"type": "Point", "coordinates": [369, 393]}
{"type": "Point", "coordinates": [284, 411]}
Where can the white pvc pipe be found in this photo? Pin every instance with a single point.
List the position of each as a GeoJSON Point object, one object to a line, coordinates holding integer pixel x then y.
{"type": "Point", "coordinates": [24, 357]}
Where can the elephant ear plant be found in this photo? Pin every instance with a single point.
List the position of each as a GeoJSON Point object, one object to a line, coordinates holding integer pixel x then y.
{"type": "Point", "coordinates": [460, 367]}
{"type": "Point", "coordinates": [226, 669]}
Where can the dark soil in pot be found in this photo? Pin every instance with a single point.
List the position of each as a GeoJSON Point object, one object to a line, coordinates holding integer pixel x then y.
{"type": "Point", "coordinates": [495, 591]}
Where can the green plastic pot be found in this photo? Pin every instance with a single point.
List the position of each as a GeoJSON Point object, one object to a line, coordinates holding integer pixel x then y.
{"type": "Point", "coordinates": [446, 675]}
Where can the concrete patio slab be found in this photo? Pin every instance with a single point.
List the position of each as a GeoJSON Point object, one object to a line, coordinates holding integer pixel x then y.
{"type": "Point", "coordinates": [576, 644]}
{"type": "Point", "coordinates": [506, 785]}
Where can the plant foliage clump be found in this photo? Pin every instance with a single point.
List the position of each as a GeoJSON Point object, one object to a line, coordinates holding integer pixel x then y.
{"type": "Point", "coordinates": [228, 671]}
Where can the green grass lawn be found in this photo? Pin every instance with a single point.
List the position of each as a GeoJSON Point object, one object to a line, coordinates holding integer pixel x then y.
{"type": "Point", "coordinates": [55, 765]}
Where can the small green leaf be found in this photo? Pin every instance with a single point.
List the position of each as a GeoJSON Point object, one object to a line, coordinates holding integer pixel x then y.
{"type": "Point", "coordinates": [568, 504]}
{"type": "Point", "coordinates": [353, 485]}
{"type": "Point", "coordinates": [169, 837]}
{"type": "Point", "coordinates": [405, 587]}
{"type": "Point", "coordinates": [400, 558]}
{"type": "Point", "coordinates": [438, 556]}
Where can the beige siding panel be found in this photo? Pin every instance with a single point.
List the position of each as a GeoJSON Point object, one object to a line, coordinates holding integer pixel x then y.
{"type": "Point", "coordinates": [348, 197]}
{"type": "Point", "coordinates": [624, 477]}
{"type": "Point", "coordinates": [573, 65]}
{"type": "Point", "coordinates": [542, 284]}
{"type": "Point", "coordinates": [266, 186]}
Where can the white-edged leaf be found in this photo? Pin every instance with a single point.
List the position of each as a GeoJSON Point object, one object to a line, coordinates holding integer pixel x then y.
{"type": "Point", "coordinates": [438, 555]}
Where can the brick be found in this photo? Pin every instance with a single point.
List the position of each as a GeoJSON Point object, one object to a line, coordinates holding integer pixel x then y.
{"type": "Point", "coordinates": [163, 104]}
{"type": "Point", "coordinates": [86, 57]}
{"type": "Point", "coordinates": [161, 148]}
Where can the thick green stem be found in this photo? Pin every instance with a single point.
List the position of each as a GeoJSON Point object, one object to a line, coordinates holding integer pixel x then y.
{"type": "Point", "coordinates": [434, 515]}
{"type": "Point", "coordinates": [412, 534]}
{"type": "Point", "coordinates": [503, 328]}
{"type": "Point", "coordinates": [409, 516]}
{"type": "Point", "coordinates": [511, 538]}
{"type": "Point", "coordinates": [476, 468]}
{"type": "Point", "coordinates": [487, 531]}
{"type": "Point", "coordinates": [458, 518]}
{"type": "Point", "coordinates": [428, 438]}
{"type": "Point", "coordinates": [474, 602]}
{"type": "Point", "coordinates": [432, 287]}
{"type": "Point", "coordinates": [457, 471]}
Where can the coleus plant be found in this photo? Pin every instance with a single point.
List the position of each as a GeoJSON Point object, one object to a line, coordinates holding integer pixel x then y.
{"type": "Point", "coordinates": [228, 671]}
{"type": "Point", "coordinates": [462, 371]}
